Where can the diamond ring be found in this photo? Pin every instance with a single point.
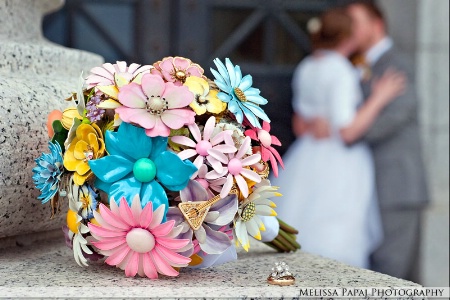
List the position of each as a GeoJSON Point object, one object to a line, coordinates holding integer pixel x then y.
{"type": "Point", "coordinates": [280, 275]}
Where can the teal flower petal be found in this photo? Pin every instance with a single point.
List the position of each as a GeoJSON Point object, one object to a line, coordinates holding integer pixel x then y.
{"type": "Point", "coordinates": [178, 187]}
{"type": "Point", "coordinates": [138, 144]}
{"type": "Point", "coordinates": [127, 188]}
{"type": "Point", "coordinates": [224, 97]}
{"type": "Point", "coordinates": [48, 171]}
{"type": "Point", "coordinates": [246, 83]}
{"type": "Point", "coordinates": [111, 168]}
{"type": "Point", "coordinates": [113, 145]}
{"type": "Point", "coordinates": [255, 109]}
{"type": "Point", "coordinates": [240, 93]}
{"type": "Point", "coordinates": [159, 146]}
{"type": "Point", "coordinates": [222, 70]}
{"type": "Point", "coordinates": [154, 192]}
{"type": "Point", "coordinates": [236, 110]}
{"type": "Point", "coordinates": [101, 185]}
{"type": "Point", "coordinates": [171, 171]}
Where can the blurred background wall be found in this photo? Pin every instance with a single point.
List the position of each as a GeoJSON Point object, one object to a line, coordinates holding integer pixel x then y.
{"type": "Point", "coordinates": [268, 39]}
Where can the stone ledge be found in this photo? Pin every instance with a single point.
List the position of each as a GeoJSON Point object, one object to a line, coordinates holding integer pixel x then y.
{"type": "Point", "coordinates": [48, 270]}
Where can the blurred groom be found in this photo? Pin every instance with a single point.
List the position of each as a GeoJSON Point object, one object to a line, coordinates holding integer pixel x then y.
{"type": "Point", "coordinates": [395, 142]}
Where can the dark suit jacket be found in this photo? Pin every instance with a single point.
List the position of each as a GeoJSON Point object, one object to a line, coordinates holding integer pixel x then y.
{"type": "Point", "coordinates": [395, 141]}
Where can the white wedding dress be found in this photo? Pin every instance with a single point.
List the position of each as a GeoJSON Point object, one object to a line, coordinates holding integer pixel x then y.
{"type": "Point", "coordinates": [328, 187]}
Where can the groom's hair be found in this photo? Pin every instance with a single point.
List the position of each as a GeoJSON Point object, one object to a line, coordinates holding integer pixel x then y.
{"type": "Point", "coordinates": [372, 9]}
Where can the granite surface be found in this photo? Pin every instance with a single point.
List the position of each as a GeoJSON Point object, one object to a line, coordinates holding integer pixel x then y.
{"type": "Point", "coordinates": [48, 269]}
{"type": "Point", "coordinates": [36, 76]}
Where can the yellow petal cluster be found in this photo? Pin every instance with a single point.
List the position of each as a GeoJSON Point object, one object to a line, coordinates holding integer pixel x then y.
{"type": "Point", "coordinates": [87, 144]}
{"type": "Point", "coordinates": [206, 99]}
{"type": "Point", "coordinates": [68, 115]}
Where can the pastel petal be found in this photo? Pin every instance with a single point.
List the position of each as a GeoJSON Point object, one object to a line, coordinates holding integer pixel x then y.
{"type": "Point", "coordinates": [182, 140]}
{"type": "Point", "coordinates": [103, 232]}
{"type": "Point", "coordinates": [209, 128]}
{"type": "Point", "coordinates": [136, 209]}
{"type": "Point", "coordinates": [188, 153]}
{"type": "Point", "coordinates": [244, 148]}
{"type": "Point", "coordinates": [109, 217]}
{"type": "Point", "coordinates": [149, 266]}
{"type": "Point", "coordinates": [163, 229]}
{"type": "Point", "coordinates": [177, 118]}
{"type": "Point", "coordinates": [227, 208]}
{"type": "Point", "coordinates": [126, 214]}
{"type": "Point", "coordinates": [217, 165]}
{"type": "Point", "coordinates": [161, 265]}
{"type": "Point", "coordinates": [118, 255]}
{"type": "Point", "coordinates": [251, 175]}
{"type": "Point", "coordinates": [109, 104]}
{"type": "Point", "coordinates": [216, 242]}
{"type": "Point", "coordinates": [158, 216]}
{"type": "Point", "coordinates": [251, 160]}
{"type": "Point", "coordinates": [194, 191]}
{"type": "Point", "coordinates": [174, 258]}
{"type": "Point", "coordinates": [146, 215]}
{"type": "Point", "coordinates": [160, 129]}
{"type": "Point", "coordinates": [256, 110]}
{"type": "Point", "coordinates": [141, 117]}
{"type": "Point", "coordinates": [253, 229]}
{"type": "Point", "coordinates": [177, 96]}
{"type": "Point", "coordinates": [218, 155]}
{"type": "Point", "coordinates": [195, 131]}
{"type": "Point", "coordinates": [264, 210]}
{"type": "Point", "coordinates": [173, 244]}
{"type": "Point", "coordinates": [132, 265]}
{"type": "Point", "coordinates": [227, 186]}
{"type": "Point", "coordinates": [242, 184]}
{"type": "Point", "coordinates": [131, 95]}
{"type": "Point", "coordinates": [245, 82]}
{"type": "Point", "coordinates": [225, 148]}
{"type": "Point", "coordinates": [152, 85]}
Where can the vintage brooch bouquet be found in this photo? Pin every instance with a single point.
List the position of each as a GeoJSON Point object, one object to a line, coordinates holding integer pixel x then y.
{"type": "Point", "coordinates": [163, 168]}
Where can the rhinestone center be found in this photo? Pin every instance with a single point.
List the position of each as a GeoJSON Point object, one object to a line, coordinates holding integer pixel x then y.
{"type": "Point", "coordinates": [88, 153]}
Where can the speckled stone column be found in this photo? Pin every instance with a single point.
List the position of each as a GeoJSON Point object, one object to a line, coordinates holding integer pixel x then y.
{"type": "Point", "coordinates": [35, 77]}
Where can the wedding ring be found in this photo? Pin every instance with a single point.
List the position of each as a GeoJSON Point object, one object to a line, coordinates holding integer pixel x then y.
{"type": "Point", "coordinates": [280, 275]}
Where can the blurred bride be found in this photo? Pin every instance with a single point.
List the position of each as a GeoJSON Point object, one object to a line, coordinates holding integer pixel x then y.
{"type": "Point", "coordinates": [328, 184]}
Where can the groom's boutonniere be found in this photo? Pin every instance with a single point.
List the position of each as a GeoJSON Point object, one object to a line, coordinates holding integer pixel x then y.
{"type": "Point", "coordinates": [361, 64]}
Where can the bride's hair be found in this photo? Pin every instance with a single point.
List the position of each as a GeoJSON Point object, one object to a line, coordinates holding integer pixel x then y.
{"type": "Point", "coordinates": [333, 27]}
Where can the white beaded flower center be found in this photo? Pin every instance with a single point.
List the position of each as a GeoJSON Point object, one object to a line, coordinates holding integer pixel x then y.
{"type": "Point", "coordinates": [157, 105]}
